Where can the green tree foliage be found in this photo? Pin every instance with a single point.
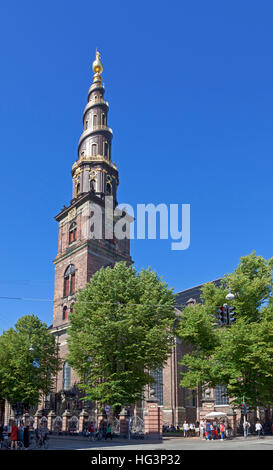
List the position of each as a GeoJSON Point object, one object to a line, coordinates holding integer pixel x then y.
{"type": "Point", "coordinates": [239, 356]}
{"type": "Point", "coordinates": [28, 361]}
{"type": "Point", "coordinates": [121, 328]}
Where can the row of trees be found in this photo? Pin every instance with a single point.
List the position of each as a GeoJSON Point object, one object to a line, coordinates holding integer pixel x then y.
{"type": "Point", "coordinates": [123, 326]}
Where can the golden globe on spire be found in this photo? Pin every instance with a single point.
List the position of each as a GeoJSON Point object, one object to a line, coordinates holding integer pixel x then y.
{"type": "Point", "coordinates": [97, 68]}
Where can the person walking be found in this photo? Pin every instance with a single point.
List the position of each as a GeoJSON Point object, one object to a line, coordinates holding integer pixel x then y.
{"type": "Point", "coordinates": [44, 432]}
{"type": "Point", "coordinates": [185, 428]}
{"type": "Point", "coordinates": [208, 431]}
{"type": "Point", "coordinates": [108, 432]}
{"type": "Point", "coordinates": [246, 427]}
{"type": "Point", "coordinates": [202, 429]}
{"type": "Point", "coordinates": [21, 433]}
{"type": "Point", "coordinates": [222, 431]}
{"type": "Point", "coordinates": [1, 434]}
{"type": "Point", "coordinates": [258, 428]}
{"type": "Point", "coordinates": [14, 436]}
{"type": "Point", "coordinates": [26, 437]}
{"type": "Point", "coordinates": [91, 431]}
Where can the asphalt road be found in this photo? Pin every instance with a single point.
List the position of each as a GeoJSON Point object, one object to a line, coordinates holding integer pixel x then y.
{"type": "Point", "coordinates": [168, 443]}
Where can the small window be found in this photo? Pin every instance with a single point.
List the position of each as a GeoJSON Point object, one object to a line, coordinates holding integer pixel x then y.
{"type": "Point", "coordinates": [103, 120]}
{"type": "Point", "coordinates": [108, 189]}
{"type": "Point", "coordinates": [65, 313]}
{"type": "Point", "coordinates": [93, 185]}
{"type": "Point", "coordinates": [94, 150]}
{"type": "Point", "coordinates": [106, 149]}
{"type": "Point", "coordinates": [73, 232]}
{"type": "Point", "coordinates": [78, 189]}
{"type": "Point", "coordinates": [95, 120]}
{"type": "Point", "coordinates": [86, 124]}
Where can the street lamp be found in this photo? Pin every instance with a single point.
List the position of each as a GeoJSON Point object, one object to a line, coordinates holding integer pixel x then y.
{"type": "Point", "coordinates": [230, 296]}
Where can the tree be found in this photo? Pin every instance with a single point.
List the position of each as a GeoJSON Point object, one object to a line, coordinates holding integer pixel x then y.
{"type": "Point", "coordinates": [28, 361]}
{"type": "Point", "coordinates": [121, 329]}
{"type": "Point", "coordinates": [240, 355]}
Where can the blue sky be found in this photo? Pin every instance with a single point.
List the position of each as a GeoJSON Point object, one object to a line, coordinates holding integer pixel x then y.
{"type": "Point", "coordinates": [191, 105]}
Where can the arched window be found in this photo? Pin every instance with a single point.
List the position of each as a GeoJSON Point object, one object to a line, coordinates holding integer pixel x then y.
{"type": "Point", "coordinates": [92, 185]}
{"type": "Point", "coordinates": [78, 189]}
{"type": "Point", "coordinates": [106, 146]}
{"type": "Point", "coordinates": [69, 280]}
{"type": "Point", "coordinates": [95, 120]}
{"type": "Point", "coordinates": [65, 313]}
{"type": "Point", "coordinates": [108, 189]}
{"type": "Point", "coordinates": [73, 232]}
{"type": "Point", "coordinates": [103, 120]}
{"type": "Point", "coordinates": [94, 150]}
{"type": "Point", "coordinates": [66, 376]}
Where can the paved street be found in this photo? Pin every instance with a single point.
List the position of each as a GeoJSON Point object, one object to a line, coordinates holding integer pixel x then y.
{"type": "Point", "coordinates": [168, 443]}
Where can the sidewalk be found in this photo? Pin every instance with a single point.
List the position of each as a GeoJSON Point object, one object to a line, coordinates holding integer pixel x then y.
{"type": "Point", "coordinates": [116, 439]}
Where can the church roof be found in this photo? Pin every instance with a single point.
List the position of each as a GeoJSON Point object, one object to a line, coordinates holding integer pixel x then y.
{"type": "Point", "coordinates": [192, 294]}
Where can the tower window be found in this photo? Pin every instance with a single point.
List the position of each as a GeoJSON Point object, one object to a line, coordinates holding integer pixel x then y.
{"type": "Point", "coordinates": [69, 280]}
{"type": "Point", "coordinates": [108, 189]}
{"type": "Point", "coordinates": [94, 150]}
{"type": "Point", "coordinates": [65, 313]}
{"type": "Point", "coordinates": [106, 146]}
{"type": "Point", "coordinates": [93, 185]}
{"type": "Point", "coordinates": [78, 189]}
{"type": "Point", "coordinates": [95, 120]}
{"type": "Point", "coordinates": [86, 124]}
{"type": "Point", "coordinates": [103, 120]}
{"type": "Point", "coordinates": [73, 232]}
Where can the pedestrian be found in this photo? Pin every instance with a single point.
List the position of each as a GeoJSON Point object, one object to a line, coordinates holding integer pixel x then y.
{"type": "Point", "coordinates": [212, 429]}
{"type": "Point", "coordinates": [108, 432]}
{"type": "Point", "coordinates": [208, 431]}
{"type": "Point", "coordinates": [246, 427]}
{"type": "Point", "coordinates": [14, 435]}
{"type": "Point", "coordinates": [1, 434]}
{"type": "Point", "coordinates": [202, 429]}
{"type": "Point", "coordinates": [91, 431]}
{"type": "Point", "coordinates": [26, 437]}
{"type": "Point", "coordinates": [44, 432]}
{"type": "Point", "coordinates": [222, 431]}
{"type": "Point", "coordinates": [185, 428]}
{"type": "Point", "coordinates": [21, 433]}
{"type": "Point", "coordinates": [258, 428]}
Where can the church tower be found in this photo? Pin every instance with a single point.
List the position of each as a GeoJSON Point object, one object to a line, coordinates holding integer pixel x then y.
{"type": "Point", "coordinates": [95, 179]}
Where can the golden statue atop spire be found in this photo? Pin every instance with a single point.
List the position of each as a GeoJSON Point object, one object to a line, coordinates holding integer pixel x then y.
{"type": "Point", "coordinates": [97, 68]}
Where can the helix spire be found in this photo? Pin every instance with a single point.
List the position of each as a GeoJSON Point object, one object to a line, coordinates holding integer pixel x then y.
{"type": "Point", "coordinates": [97, 68]}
